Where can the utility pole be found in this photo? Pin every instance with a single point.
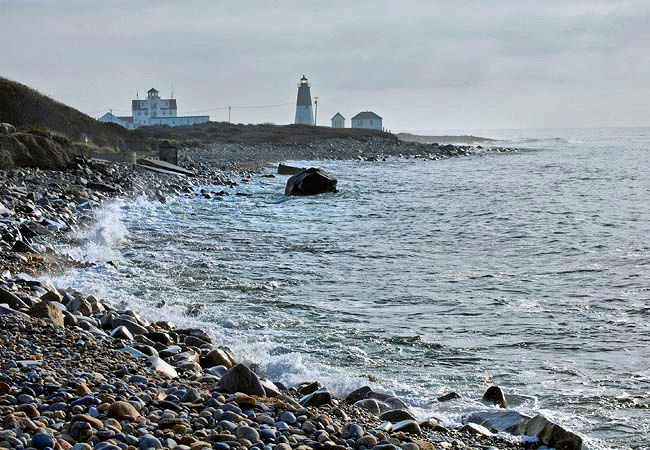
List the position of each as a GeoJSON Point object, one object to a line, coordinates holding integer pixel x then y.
{"type": "Point", "coordinates": [316, 112]}
{"type": "Point", "coordinates": [229, 108]}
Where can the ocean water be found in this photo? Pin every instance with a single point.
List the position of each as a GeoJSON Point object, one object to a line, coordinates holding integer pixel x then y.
{"type": "Point", "coordinates": [529, 270]}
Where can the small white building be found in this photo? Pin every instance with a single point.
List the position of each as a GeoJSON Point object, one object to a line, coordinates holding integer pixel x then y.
{"type": "Point", "coordinates": [153, 111]}
{"type": "Point", "coordinates": [367, 119]}
{"type": "Point", "coordinates": [338, 121]}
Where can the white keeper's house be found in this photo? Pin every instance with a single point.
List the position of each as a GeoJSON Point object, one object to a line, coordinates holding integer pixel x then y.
{"type": "Point", "coordinates": [367, 119]}
{"type": "Point", "coordinates": [153, 111]}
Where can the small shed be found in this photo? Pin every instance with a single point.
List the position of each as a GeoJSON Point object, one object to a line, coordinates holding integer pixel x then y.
{"type": "Point", "coordinates": [338, 121]}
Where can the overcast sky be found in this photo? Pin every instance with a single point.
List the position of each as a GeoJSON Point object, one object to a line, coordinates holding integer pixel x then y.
{"type": "Point", "coordinates": [421, 65]}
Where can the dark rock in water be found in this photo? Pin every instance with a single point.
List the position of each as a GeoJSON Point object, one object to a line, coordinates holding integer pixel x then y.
{"type": "Point", "coordinates": [358, 394]}
{"type": "Point", "coordinates": [448, 397]}
{"type": "Point", "coordinates": [241, 379]}
{"type": "Point", "coordinates": [551, 434]}
{"type": "Point", "coordinates": [396, 415]}
{"type": "Point", "coordinates": [284, 169]}
{"type": "Point", "coordinates": [495, 396]}
{"type": "Point", "coordinates": [317, 398]}
{"type": "Point", "coordinates": [506, 421]}
{"type": "Point", "coordinates": [311, 181]}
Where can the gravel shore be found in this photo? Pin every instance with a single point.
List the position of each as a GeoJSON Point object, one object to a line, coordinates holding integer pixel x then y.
{"type": "Point", "coordinates": [80, 372]}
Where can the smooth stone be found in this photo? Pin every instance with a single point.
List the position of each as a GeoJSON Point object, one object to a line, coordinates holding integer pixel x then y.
{"type": "Point", "coordinates": [123, 410]}
{"type": "Point", "coordinates": [148, 441]}
{"type": "Point", "coordinates": [217, 371]}
{"type": "Point", "coordinates": [227, 425]}
{"type": "Point", "coordinates": [367, 441]}
{"type": "Point", "coordinates": [353, 430]}
{"type": "Point", "coordinates": [369, 404]}
{"type": "Point", "coordinates": [122, 332]}
{"type": "Point", "coordinates": [505, 421]}
{"type": "Point", "coordinates": [248, 433]}
{"type": "Point", "coordinates": [160, 366]}
{"type": "Point", "coordinates": [358, 394]}
{"type": "Point", "coordinates": [42, 441]}
{"type": "Point", "coordinates": [474, 428]}
{"type": "Point", "coordinates": [385, 447]}
{"type": "Point", "coordinates": [133, 327]}
{"type": "Point", "coordinates": [216, 357]}
{"type": "Point", "coordinates": [81, 446]}
{"type": "Point", "coordinates": [396, 415]}
{"type": "Point", "coordinates": [288, 417]}
{"type": "Point", "coordinates": [407, 426]}
{"type": "Point", "coordinates": [317, 398]}
{"type": "Point", "coordinates": [266, 434]}
{"type": "Point", "coordinates": [241, 379]}
{"type": "Point", "coordinates": [141, 379]}
{"type": "Point", "coordinates": [191, 396]}
{"type": "Point", "coordinates": [133, 352]}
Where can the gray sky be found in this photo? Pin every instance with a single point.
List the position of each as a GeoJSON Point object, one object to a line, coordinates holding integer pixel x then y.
{"type": "Point", "coordinates": [422, 65]}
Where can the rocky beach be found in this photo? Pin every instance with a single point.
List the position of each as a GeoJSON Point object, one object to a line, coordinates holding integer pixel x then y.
{"type": "Point", "coordinates": [81, 372]}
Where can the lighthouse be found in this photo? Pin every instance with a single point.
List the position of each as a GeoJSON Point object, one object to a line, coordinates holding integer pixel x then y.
{"type": "Point", "coordinates": [304, 114]}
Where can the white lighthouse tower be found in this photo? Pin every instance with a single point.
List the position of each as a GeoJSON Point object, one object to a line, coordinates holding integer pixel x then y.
{"type": "Point", "coordinates": [304, 114]}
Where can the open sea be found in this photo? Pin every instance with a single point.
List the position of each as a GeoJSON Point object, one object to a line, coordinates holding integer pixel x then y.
{"type": "Point", "coordinates": [529, 270]}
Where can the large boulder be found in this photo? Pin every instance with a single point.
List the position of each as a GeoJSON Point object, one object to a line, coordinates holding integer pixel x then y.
{"type": "Point", "coordinates": [50, 311]}
{"type": "Point", "coordinates": [311, 181]}
{"type": "Point", "coordinates": [241, 379]}
{"type": "Point", "coordinates": [551, 434]}
{"type": "Point", "coordinates": [506, 421]}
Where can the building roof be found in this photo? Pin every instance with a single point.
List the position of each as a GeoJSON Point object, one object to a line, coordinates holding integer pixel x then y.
{"type": "Point", "coordinates": [338, 115]}
{"type": "Point", "coordinates": [152, 90]}
{"type": "Point", "coordinates": [366, 115]}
